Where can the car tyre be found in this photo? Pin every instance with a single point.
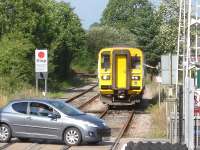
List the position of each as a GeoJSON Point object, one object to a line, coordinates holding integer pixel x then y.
{"type": "Point", "coordinates": [72, 136]}
{"type": "Point", "coordinates": [5, 133]}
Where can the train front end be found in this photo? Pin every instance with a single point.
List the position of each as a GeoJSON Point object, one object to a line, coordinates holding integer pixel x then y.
{"type": "Point", "coordinates": [120, 75]}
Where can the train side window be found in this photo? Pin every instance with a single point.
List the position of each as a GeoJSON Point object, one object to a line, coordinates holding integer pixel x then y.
{"type": "Point", "coordinates": [105, 61]}
{"type": "Point", "coordinates": [135, 62]}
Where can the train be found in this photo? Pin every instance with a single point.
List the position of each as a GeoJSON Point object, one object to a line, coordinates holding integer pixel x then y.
{"type": "Point", "coordinates": [121, 75]}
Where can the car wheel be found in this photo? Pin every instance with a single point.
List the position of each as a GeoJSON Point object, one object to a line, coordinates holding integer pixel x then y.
{"type": "Point", "coordinates": [72, 136]}
{"type": "Point", "coordinates": [23, 139]}
{"type": "Point", "coordinates": [5, 133]}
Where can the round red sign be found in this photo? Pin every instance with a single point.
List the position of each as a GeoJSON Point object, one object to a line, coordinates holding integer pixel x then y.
{"type": "Point", "coordinates": [41, 54]}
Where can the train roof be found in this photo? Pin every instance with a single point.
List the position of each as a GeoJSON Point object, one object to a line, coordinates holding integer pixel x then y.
{"type": "Point", "coordinates": [118, 48]}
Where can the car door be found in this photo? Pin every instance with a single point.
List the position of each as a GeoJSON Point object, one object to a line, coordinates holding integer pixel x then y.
{"type": "Point", "coordinates": [39, 125]}
{"type": "Point", "coordinates": [18, 117]}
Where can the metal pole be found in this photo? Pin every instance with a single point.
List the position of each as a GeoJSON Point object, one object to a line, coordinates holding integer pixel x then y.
{"type": "Point", "coordinates": [195, 133]}
{"type": "Point", "coordinates": [187, 79]}
{"type": "Point", "coordinates": [159, 95]}
{"type": "Point", "coordinates": [180, 114]}
{"type": "Point", "coordinates": [168, 123]}
{"type": "Point", "coordinates": [171, 69]}
{"type": "Point", "coordinates": [45, 86]}
{"type": "Point", "coordinates": [36, 82]}
{"type": "Point", "coordinates": [159, 69]}
{"type": "Point", "coordinates": [196, 36]}
{"type": "Point", "coordinates": [178, 45]}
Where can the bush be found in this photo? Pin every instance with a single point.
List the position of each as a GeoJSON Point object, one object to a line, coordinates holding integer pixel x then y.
{"type": "Point", "coordinates": [16, 58]}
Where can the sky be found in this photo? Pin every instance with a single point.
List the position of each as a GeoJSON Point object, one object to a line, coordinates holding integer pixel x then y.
{"type": "Point", "coordinates": [89, 11]}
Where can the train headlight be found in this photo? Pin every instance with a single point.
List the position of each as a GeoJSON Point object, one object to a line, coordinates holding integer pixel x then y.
{"type": "Point", "coordinates": [105, 77]}
{"type": "Point", "coordinates": [135, 78]}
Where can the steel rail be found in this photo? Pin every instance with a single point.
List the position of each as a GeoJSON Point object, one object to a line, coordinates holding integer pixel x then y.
{"type": "Point", "coordinates": [104, 113]}
{"type": "Point", "coordinates": [65, 147]}
{"type": "Point", "coordinates": [122, 131]}
{"type": "Point", "coordinates": [100, 116]}
{"type": "Point", "coordinates": [79, 95]}
{"type": "Point", "coordinates": [93, 111]}
{"type": "Point", "coordinates": [6, 145]}
{"type": "Point", "coordinates": [89, 101]}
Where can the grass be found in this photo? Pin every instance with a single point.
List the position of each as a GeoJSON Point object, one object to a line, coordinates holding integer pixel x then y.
{"type": "Point", "coordinates": [158, 114]}
{"type": "Point", "coordinates": [23, 90]}
{"type": "Point", "coordinates": [159, 121]}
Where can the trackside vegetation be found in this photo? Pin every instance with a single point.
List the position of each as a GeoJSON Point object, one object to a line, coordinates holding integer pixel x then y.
{"type": "Point", "coordinates": [27, 25]}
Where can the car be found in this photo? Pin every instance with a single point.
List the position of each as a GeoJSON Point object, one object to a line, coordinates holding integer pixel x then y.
{"type": "Point", "coordinates": [50, 119]}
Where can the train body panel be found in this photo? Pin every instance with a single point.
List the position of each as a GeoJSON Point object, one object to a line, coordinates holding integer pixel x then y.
{"type": "Point", "coordinates": [120, 75]}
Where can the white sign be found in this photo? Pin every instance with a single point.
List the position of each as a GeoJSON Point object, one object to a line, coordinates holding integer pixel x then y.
{"type": "Point", "coordinates": [158, 79]}
{"type": "Point", "coordinates": [168, 69]}
{"type": "Point", "coordinates": [41, 61]}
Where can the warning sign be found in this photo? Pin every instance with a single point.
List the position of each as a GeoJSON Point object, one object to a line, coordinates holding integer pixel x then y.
{"type": "Point", "coordinates": [41, 61]}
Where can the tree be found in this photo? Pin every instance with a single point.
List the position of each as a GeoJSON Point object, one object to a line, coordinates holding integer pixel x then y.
{"type": "Point", "coordinates": [46, 24]}
{"type": "Point", "coordinates": [168, 31]}
{"type": "Point", "coordinates": [138, 17]}
{"type": "Point", "coordinates": [99, 37]}
{"type": "Point", "coordinates": [16, 57]}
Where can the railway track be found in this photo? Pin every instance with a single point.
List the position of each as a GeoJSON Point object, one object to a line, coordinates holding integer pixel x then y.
{"type": "Point", "coordinates": [123, 129]}
{"type": "Point", "coordinates": [79, 95]}
{"type": "Point", "coordinates": [33, 145]}
{"type": "Point", "coordinates": [41, 145]}
{"type": "Point", "coordinates": [6, 145]}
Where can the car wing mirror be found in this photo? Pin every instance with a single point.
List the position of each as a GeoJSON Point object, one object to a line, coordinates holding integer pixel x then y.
{"type": "Point", "coordinates": [53, 116]}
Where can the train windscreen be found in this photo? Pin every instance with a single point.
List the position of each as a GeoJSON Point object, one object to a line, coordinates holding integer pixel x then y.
{"type": "Point", "coordinates": [135, 62]}
{"type": "Point", "coordinates": [105, 61]}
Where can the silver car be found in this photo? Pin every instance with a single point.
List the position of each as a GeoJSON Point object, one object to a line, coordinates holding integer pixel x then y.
{"type": "Point", "coordinates": [50, 119]}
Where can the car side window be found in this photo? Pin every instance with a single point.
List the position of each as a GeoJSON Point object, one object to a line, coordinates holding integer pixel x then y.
{"type": "Point", "coordinates": [39, 109]}
{"type": "Point", "coordinates": [20, 107]}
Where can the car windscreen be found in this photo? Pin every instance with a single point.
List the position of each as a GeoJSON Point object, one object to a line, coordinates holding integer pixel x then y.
{"type": "Point", "coordinates": [65, 108]}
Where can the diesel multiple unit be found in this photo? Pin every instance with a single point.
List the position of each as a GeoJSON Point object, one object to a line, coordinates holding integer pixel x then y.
{"type": "Point", "coordinates": [120, 75]}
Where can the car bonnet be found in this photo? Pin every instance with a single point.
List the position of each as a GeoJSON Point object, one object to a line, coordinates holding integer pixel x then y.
{"type": "Point", "coordinates": [89, 118]}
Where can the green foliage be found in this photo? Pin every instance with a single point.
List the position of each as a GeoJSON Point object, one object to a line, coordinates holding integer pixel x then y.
{"type": "Point", "coordinates": [167, 37]}
{"type": "Point", "coordinates": [139, 18]}
{"type": "Point", "coordinates": [154, 29]}
{"type": "Point", "coordinates": [99, 37]}
{"type": "Point", "coordinates": [27, 25]}
{"type": "Point", "coordinates": [16, 56]}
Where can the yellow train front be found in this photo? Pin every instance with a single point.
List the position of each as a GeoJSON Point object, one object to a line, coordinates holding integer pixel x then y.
{"type": "Point", "coordinates": [120, 75]}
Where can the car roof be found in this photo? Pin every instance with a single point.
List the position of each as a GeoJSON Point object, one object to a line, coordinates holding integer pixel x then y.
{"type": "Point", "coordinates": [34, 100]}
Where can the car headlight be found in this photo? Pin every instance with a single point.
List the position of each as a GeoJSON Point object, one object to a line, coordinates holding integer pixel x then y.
{"type": "Point", "coordinates": [105, 77]}
{"type": "Point", "coordinates": [135, 78]}
{"type": "Point", "coordinates": [89, 124]}
{"type": "Point", "coordinates": [104, 123]}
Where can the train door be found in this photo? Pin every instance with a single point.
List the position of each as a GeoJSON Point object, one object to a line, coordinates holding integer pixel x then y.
{"type": "Point", "coordinates": [121, 71]}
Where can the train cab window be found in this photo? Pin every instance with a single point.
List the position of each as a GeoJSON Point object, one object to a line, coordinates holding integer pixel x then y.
{"type": "Point", "coordinates": [105, 61]}
{"type": "Point", "coordinates": [135, 62]}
